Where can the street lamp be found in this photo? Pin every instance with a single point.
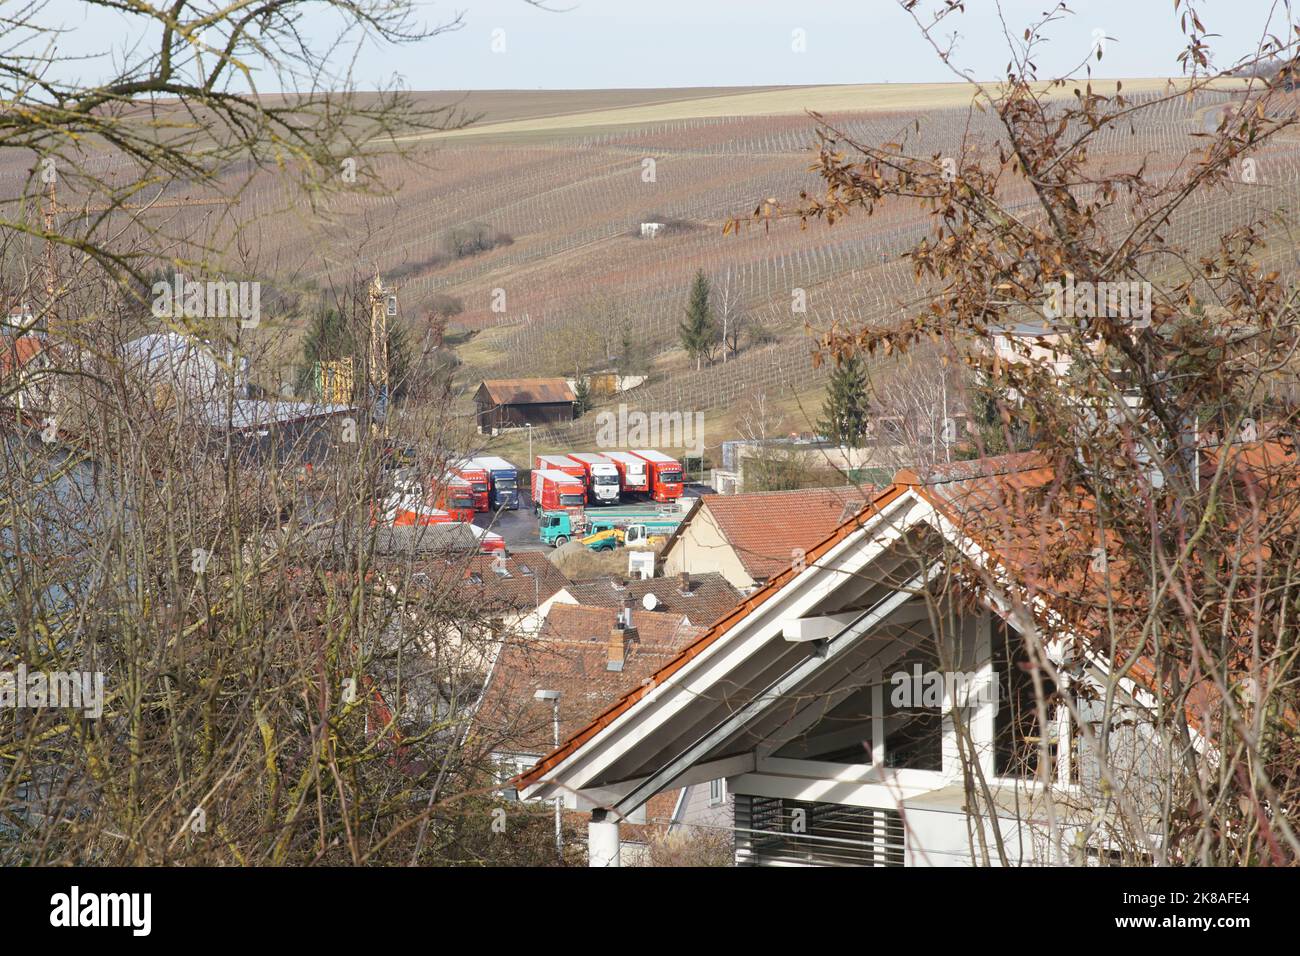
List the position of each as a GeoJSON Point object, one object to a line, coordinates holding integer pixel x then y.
{"type": "Point", "coordinates": [554, 697]}
{"type": "Point", "coordinates": [529, 426]}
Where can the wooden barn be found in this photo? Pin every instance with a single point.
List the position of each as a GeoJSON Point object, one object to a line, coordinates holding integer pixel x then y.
{"type": "Point", "coordinates": [514, 402]}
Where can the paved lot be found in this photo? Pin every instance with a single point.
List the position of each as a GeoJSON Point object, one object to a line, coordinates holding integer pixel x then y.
{"type": "Point", "coordinates": [519, 528]}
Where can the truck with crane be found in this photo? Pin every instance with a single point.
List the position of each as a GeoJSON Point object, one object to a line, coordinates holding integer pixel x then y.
{"type": "Point", "coordinates": [601, 476]}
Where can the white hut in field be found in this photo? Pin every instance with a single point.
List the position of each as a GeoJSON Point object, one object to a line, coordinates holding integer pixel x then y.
{"type": "Point", "coordinates": [650, 230]}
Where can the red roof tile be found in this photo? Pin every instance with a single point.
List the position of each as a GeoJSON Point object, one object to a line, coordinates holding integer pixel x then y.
{"type": "Point", "coordinates": [765, 527]}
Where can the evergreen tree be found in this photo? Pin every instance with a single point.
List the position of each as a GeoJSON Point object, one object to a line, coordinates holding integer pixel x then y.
{"type": "Point", "coordinates": [699, 331]}
{"type": "Point", "coordinates": [846, 414]}
{"type": "Point", "coordinates": [581, 395]}
{"type": "Point", "coordinates": [328, 340]}
{"type": "Point", "coordinates": [333, 338]}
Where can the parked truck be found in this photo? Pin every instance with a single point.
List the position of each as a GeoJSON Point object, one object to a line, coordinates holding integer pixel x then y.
{"type": "Point", "coordinates": [477, 476]}
{"type": "Point", "coordinates": [503, 482]}
{"type": "Point", "coordinates": [665, 474]}
{"type": "Point", "coordinates": [557, 491]}
{"type": "Point", "coordinates": [601, 476]}
{"type": "Point", "coordinates": [561, 463]}
{"type": "Point", "coordinates": [456, 495]}
{"type": "Point", "coordinates": [556, 528]}
{"type": "Point", "coordinates": [633, 474]}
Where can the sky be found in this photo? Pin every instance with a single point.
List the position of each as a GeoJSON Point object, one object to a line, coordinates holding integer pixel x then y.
{"type": "Point", "coordinates": [594, 44]}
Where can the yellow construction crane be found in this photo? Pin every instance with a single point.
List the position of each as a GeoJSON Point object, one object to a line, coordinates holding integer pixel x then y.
{"type": "Point", "coordinates": [383, 306]}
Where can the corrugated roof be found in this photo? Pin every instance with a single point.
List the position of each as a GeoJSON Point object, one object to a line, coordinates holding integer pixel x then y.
{"type": "Point", "coordinates": [527, 391]}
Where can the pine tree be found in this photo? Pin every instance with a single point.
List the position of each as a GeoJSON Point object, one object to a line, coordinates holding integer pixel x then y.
{"type": "Point", "coordinates": [328, 340]}
{"type": "Point", "coordinates": [581, 395]}
{"type": "Point", "coordinates": [846, 414]}
{"type": "Point", "coordinates": [332, 338]}
{"type": "Point", "coordinates": [699, 331]}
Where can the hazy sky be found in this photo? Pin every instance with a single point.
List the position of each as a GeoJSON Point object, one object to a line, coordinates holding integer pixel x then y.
{"type": "Point", "coordinates": [657, 43]}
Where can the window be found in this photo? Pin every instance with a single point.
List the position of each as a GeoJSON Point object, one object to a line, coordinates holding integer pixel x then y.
{"type": "Point", "coordinates": [717, 792]}
{"type": "Point", "coordinates": [1017, 734]}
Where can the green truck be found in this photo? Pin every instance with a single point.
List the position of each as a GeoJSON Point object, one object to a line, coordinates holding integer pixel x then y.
{"type": "Point", "coordinates": [558, 528]}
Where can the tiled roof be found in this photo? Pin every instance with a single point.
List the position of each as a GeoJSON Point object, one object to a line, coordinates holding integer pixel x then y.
{"type": "Point", "coordinates": [998, 502]}
{"type": "Point", "coordinates": [765, 527]}
{"type": "Point", "coordinates": [708, 598]}
{"type": "Point", "coordinates": [494, 582]}
{"type": "Point", "coordinates": [571, 655]}
{"type": "Point", "coordinates": [527, 391]}
{"type": "Point", "coordinates": [17, 352]}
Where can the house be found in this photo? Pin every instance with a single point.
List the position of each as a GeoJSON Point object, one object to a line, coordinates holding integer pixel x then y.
{"type": "Point", "coordinates": [700, 598]}
{"type": "Point", "coordinates": [590, 656]}
{"type": "Point", "coordinates": [749, 537]}
{"type": "Point", "coordinates": [874, 704]}
{"type": "Point", "coordinates": [514, 402]}
{"type": "Point", "coordinates": [23, 360]}
{"type": "Point", "coordinates": [519, 589]}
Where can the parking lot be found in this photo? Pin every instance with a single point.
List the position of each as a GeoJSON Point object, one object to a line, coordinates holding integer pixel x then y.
{"type": "Point", "coordinates": [519, 527]}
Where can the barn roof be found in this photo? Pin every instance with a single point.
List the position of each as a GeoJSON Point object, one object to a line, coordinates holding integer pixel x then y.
{"type": "Point", "coordinates": [527, 391]}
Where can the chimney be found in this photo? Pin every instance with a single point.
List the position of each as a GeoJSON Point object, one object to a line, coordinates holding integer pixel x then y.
{"type": "Point", "coordinates": [616, 648]}
{"type": "Point", "coordinates": [684, 582]}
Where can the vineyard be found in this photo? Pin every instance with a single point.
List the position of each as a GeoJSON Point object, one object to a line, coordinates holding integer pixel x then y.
{"type": "Point", "coordinates": [575, 280]}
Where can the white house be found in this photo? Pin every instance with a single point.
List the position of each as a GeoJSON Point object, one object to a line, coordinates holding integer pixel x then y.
{"type": "Point", "coordinates": [874, 703]}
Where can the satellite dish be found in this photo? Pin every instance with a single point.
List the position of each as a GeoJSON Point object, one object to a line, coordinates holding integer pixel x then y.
{"type": "Point", "coordinates": [649, 602]}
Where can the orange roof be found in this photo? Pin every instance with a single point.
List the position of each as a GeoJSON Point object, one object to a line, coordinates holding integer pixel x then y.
{"type": "Point", "coordinates": [999, 503]}
{"type": "Point", "coordinates": [570, 655]}
{"type": "Point", "coordinates": [697, 647]}
{"type": "Point", "coordinates": [764, 527]}
{"type": "Point", "coordinates": [17, 352]}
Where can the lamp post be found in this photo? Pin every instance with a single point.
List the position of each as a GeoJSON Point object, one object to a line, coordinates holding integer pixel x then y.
{"type": "Point", "coordinates": [554, 697]}
{"type": "Point", "coordinates": [529, 426]}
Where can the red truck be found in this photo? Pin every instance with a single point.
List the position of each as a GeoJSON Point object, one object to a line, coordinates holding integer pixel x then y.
{"type": "Point", "coordinates": [560, 463]}
{"type": "Point", "coordinates": [558, 491]}
{"type": "Point", "coordinates": [456, 495]}
{"type": "Point", "coordinates": [478, 481]}
{"type": "Point", "coordinates": [665, 474]}
{"type": "Point", "coordinates": [633, 472]}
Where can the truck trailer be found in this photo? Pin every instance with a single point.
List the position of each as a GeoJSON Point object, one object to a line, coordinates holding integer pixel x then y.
{"type": "Point", "coordinates": [633, 473]}
{"type": "Point", "coordinates": [601, 476]}
{"type": "Point", "coordinates": [456, 495]}
{"type": "Point", "coordinates": [557, 491]}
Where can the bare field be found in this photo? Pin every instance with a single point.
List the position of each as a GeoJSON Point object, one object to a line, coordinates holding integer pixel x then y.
{"type": "Point", "coordinates": [667, 105]}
